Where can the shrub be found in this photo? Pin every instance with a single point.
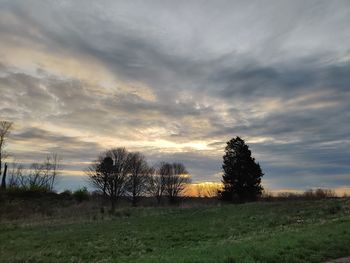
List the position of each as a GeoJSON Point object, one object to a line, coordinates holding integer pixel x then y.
{"type": "Point", "coordinates": [66, 194]}
{"type": "Point", "coordinates": [288, 196]}
{"type": "Point", "coordinates": [319, 193]}
{"type": "Point", "coordinates": [334, 209]}
{"type": "Point", "coordinates": [27, 191]}
{"type": "Point", "coordinates": [81, 194]}
{"type": "Point", "coordinates": [325, 193]}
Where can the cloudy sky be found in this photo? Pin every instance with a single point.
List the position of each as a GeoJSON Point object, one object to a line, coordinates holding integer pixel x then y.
{"type": "Point", "coordinates": [176, 80]}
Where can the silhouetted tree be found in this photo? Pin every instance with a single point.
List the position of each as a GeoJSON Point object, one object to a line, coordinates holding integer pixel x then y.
{"type": "Point", "coordinates": [156, 183]}
{"type": "Point", "coordinates": [16, 175]}
{"type": "Point", "coordinates": [139, 174]}
{"type": "Point", "coordinates": [101, 171]}
{"type": "Point", "coordinates": [5, 129]}
{"type": "Point", "coordinates": [37, 177]}
{"type": "Point", "coordinates": [106, 169]}
{"type": "Point", "coordinates": [242, 175]}
{"type": "Point", "coordinates": [110, 178]}
{"type": "Point", "coordinates": [41, 176]}
{"type": "Point", "coordinates": [52, 168]}
{"type": "Point", "coordinates": [3, 183]}
{"type": "Point", "coordinates": [175, 178]}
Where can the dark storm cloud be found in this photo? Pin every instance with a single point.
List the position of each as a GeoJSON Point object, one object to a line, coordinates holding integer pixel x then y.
{"type": "Point", "coordinates": [277, 74]}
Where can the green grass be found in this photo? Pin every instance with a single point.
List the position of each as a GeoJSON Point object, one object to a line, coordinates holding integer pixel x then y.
{"type": "Point", "coordinates": [290, 231]}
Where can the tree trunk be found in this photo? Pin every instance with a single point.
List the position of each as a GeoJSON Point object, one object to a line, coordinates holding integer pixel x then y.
{"type": "Point", "coordinates": [104, 196]}
{"type": "Point", "coordinates": [134, 197]}
{"type": "Point", "coordinates": [159, 198]}
{"type": "Point", "coordinates": [3, 181]}
{"type": "Point", "coordinates": [134, 201]}
{"type": "Point", "coordinates": [113, 201]}
{"type": "Point", "coordinates": [0, 162]}
{"type": "Point", "coordinates": [112, 205]}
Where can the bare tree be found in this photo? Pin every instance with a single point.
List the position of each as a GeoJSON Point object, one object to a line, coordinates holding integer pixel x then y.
{"type": "Point", "coordinates": [156, 183]}
{"type": "Point", "coordinates": [37, 177]}
{"type": "Point", "coordinates": [100, 173]}
{"type": "Point", "coordinates": [53, 161]}
{"type": "Point", "coordinates": [43, 175]}
{"type": "Point", "coordinates": [138, 176]}
{"type": "Point", "coordinates": [176, 178]}
{"type": "Point", "coordinates": [5, 129]}
{"type": "Point", "coordinates": [40, 176]}
{"type": "Point", "coordinates": [106, 169]}
{"type": "Point", "coordinates": [16, 175]}
{"type": "Point", "coordinates": [111, 180]}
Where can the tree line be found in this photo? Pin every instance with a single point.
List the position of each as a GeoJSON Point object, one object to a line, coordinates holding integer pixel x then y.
{"type": "Point", "coordinates": [116, 173]}
{"type": "Point", "coordinates": [119, 173]}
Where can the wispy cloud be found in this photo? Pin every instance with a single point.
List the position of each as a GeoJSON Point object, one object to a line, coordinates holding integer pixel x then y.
{"type": "Point", "coordinates": [177, 79]}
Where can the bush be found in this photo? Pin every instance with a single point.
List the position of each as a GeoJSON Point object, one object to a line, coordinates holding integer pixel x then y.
{"type": "Point", "coordinates": [27, 192]}
{"type": "Point", "coordinates": [334, 209]}
{"type": "Point", "coordinates": [66, 194]}
{"type": "Point", "coordinates": [81, 194]}
{"type": "Point", "coordinates": [319, 193]}
{"type": "Point", "coordinates": [325, 193]}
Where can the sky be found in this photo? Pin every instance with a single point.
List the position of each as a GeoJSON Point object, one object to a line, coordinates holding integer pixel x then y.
{"type": "Point", "coordinates": [176, 80]}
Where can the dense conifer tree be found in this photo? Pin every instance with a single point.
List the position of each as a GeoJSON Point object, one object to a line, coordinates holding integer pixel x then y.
{"type": "Point", "coordinates": [242, 175]}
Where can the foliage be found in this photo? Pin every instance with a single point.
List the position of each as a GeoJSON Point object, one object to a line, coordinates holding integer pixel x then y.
{"type": "Point", "coordinates": [66, 194]}
{"type": "Point", "coordinates": [29, 191]}
{"type": "Point", "coordinates": [310, 194]}
{"type": "Point", "coordinates": [81, 194]}
{"type": "Point", "coordinates": [242, 175]}
{"type": "Point", "coordinates": [319, 193]}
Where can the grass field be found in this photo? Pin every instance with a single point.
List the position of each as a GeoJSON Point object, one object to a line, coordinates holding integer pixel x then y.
{"type": "Point", "coordinates": [289, 231]}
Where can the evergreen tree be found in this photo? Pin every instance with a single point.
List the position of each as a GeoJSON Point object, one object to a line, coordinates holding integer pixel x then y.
{"type": "Point", "coordinates": [242, 175]}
